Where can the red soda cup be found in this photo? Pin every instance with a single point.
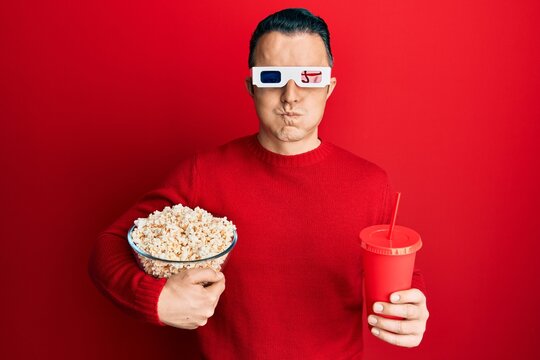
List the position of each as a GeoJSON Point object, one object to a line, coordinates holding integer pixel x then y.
{"type": "Point", "coordinates": [387, 264]}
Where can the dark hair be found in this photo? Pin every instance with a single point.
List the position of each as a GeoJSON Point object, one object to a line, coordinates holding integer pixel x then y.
{"type": "Point", "coordinates": [290, 21]}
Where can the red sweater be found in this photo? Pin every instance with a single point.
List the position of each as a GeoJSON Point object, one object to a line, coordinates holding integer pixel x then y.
{"type": "Point", "coordinates": [294, 287]}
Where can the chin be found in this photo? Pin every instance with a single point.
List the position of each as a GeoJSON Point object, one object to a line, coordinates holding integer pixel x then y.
{"type": "Point", "coordinates": [290, 133]}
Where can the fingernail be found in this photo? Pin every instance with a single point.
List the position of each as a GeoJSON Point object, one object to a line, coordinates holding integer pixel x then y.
{"type": "Point", "coordinates": [378, 307]}
{"type": "Point", "coordinates": [375, 331]}
{"type": "Point", "coordinates": [394, 298]}
{"type": "Point", "coordinates": [372, 320]}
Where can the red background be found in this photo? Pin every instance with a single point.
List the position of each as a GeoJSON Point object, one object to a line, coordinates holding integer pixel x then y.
{"type": "Point", "coordinates": [98, 99]}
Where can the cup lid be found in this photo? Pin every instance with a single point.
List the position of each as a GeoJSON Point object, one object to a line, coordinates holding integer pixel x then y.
{"type": "Point", "coordinates": [404, 240]}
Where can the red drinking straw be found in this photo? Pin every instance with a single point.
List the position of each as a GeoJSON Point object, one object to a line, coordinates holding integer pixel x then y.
{"type": "Point", "coordinates": [394, 215]}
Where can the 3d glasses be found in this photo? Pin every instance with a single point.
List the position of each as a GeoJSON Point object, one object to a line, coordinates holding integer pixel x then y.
{"type": "Point", "coordinates": [278, 76]}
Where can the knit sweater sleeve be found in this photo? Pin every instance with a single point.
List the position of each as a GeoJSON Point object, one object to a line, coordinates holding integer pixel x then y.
{"type": "Point", "coordinates": [418, 281]}
{"type": "Point", "coordinates": [112, 265]}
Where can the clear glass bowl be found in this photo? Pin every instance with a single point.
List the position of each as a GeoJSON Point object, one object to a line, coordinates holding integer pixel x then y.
{"type": "Point", "coordinates": [159, 267]}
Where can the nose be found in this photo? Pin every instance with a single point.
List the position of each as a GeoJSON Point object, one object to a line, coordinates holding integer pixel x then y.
{"type": "Point", "coordinates": [290, 93]}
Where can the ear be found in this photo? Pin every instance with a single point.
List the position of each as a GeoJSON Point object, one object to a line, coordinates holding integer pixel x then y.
{"type": "Point", "coordinates": [331, 87]}
{"type": "Point", "coordinates": [249, 86]}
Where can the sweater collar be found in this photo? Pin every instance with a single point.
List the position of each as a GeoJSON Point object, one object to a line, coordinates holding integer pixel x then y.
{"type": "Point", "coordinates": [308, 158]}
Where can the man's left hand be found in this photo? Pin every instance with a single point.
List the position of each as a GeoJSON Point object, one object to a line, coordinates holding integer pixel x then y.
{"type": "Point", "coordinates": [408, 304]}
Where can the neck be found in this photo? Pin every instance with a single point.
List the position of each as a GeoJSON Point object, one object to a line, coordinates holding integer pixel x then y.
{"type": "Point", "coordinates": [271, 143]}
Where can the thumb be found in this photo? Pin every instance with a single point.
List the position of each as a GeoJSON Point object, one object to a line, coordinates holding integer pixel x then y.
{"type": "Point", "coordinates": [197, 276]}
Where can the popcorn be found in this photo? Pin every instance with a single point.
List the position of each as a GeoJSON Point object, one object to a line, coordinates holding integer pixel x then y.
{"type": "Point", "coordinates": [182, 234]}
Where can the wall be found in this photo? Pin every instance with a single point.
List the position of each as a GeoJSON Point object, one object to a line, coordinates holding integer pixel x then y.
{"type": "Point", "coordinates": [98, 99]}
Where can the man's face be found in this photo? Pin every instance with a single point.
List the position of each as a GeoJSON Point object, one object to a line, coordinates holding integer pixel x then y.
{"type": "Point", "coordinates": [290, 113]}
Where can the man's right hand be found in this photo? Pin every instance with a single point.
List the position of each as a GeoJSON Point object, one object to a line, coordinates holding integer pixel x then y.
{"type": "Point", "coordinates": [185, 303]}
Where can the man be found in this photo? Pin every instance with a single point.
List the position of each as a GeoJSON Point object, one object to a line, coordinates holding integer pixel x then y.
{"type": "Point", "coordinates": [294, 279]}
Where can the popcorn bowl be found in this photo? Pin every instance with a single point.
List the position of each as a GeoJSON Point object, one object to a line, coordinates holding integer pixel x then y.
{"type": "Point", "coordinates": [161, 267]}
